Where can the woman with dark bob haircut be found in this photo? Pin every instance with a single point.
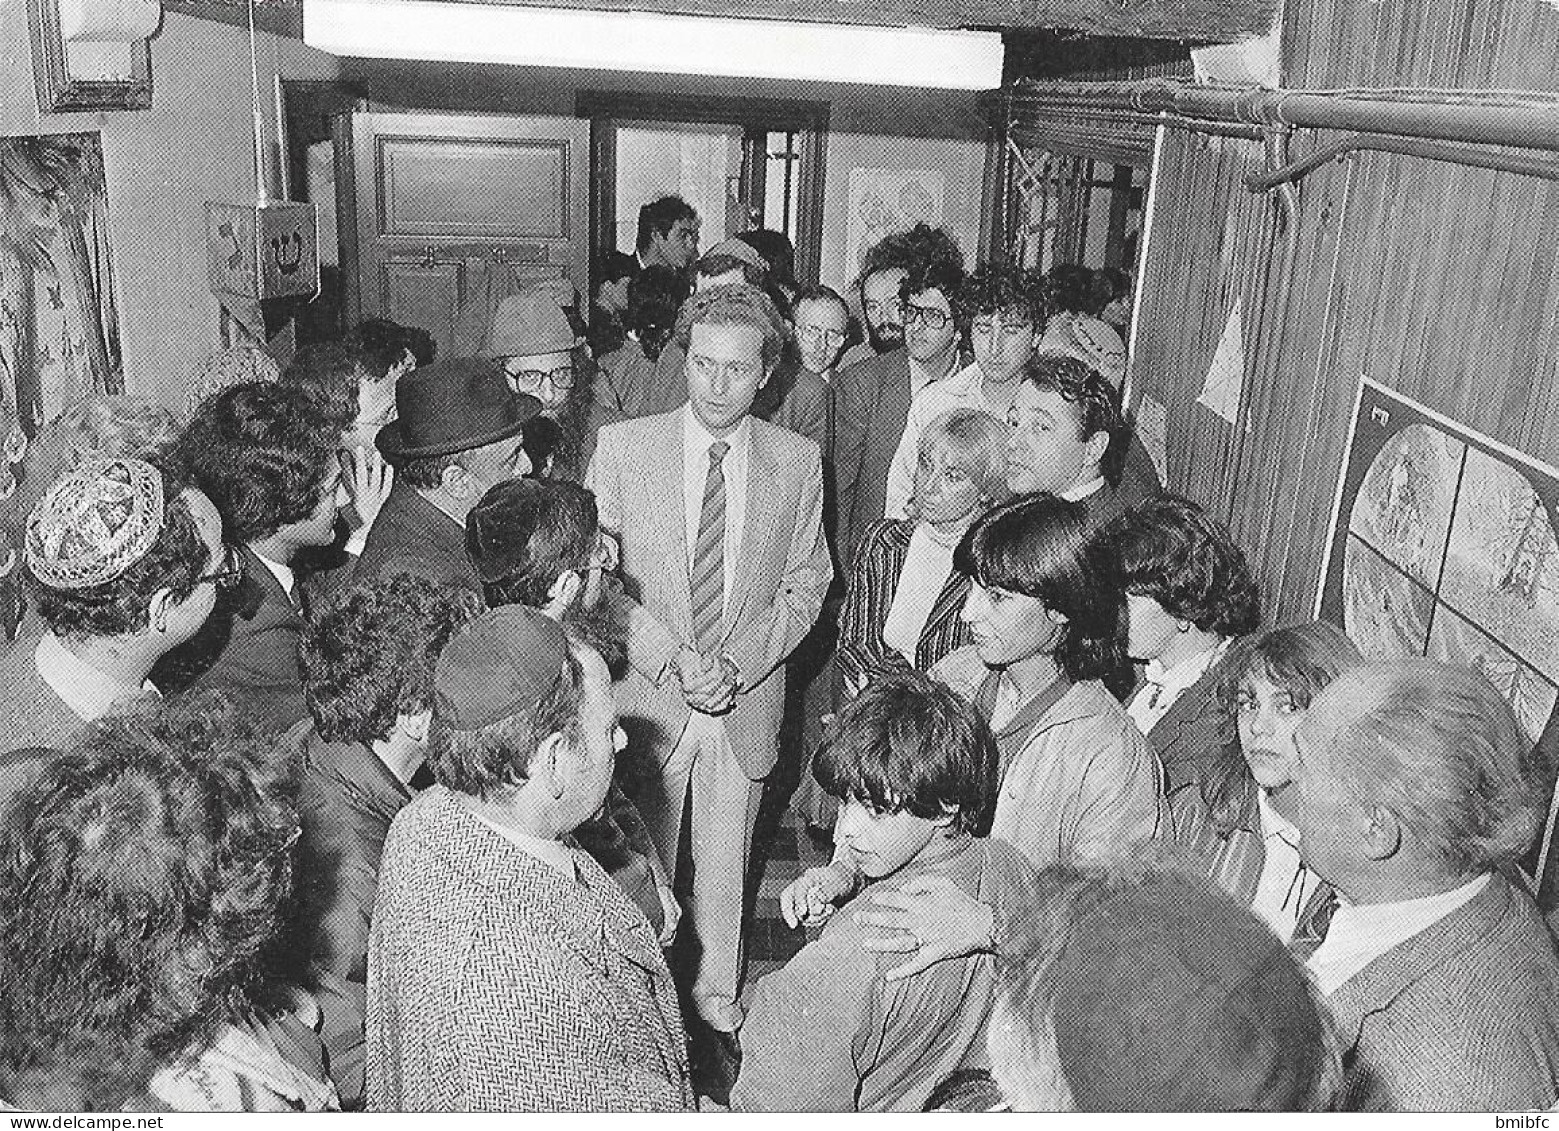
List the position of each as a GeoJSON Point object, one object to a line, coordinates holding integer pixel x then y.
{"type": "Point", "coordinates": [143, 878]}
{"type": "Point", "coordinates": [1236, 822]}
{"type": "Point", "coordinates": [1189, 595]}
{"type": "Point", "coordinates": [1078, 781]}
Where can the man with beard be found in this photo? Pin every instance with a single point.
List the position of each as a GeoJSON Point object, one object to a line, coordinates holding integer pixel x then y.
{"type": "Point", "coordinates": [873, 396]}
{"type": "Point", "coordinates": [539, 543]}
{"type": "Point", "coordinates": [543, 356]}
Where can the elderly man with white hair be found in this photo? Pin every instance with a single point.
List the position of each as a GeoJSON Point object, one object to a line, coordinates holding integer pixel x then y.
{"type": "Point", "coordinates": [1416, 795]}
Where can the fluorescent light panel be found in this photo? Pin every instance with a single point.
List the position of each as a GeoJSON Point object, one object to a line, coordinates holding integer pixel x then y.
{"type": "Point", "coordinates": [638, 41]}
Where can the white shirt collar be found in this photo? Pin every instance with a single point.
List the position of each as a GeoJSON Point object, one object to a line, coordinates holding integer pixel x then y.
{"type": "Point", "coordinates": [698, 438]}
{"type": "Point", "coordinates": [283, 574]}
{"type": "Point", "coordinates": [1084, 490]}
{"type": "Point", "coordinates": [554, 854]}
{"type": "Point", "coordinates": [920, 376]}
{"type": "Point", "coordinates": [1359, 934]}
{"type": "Point", "coordinates": [1273, 823]}
{"type": "Point", "coordinates": [88, 692]}
{"type": "Point", "coordinates": [1179, 678]}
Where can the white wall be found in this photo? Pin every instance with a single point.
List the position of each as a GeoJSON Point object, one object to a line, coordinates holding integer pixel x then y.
{"type": "Point", "coordinates": [162, 165]}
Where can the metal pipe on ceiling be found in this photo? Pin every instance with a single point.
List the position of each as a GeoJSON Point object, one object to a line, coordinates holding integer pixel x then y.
{"type": "Point", "coordinates": [1293, 171]}
{"type": "Point", "coordinates": [1523, 124]}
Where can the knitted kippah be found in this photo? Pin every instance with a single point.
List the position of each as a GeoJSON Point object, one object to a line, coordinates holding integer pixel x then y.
{"type": "Point", "coordinates": [96, 522]}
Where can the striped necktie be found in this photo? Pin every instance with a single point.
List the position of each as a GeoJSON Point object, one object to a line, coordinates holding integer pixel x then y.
{"type": "Point", "coordinates": [708, 574]}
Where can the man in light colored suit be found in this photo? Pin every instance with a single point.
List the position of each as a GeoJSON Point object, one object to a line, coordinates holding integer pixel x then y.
{"type": "Point", "coordinates": [1415, 797]}
{"type": "Point", "coordinates": [719, 516]}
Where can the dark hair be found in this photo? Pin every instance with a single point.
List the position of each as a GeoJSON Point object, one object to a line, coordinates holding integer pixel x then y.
{"type": "Point", "coordinates": [1170, 549]}
{"type": "Point", "coordinates": [711, 266]}
{"type": "Point", "coordinates": [659, 216]}
{"type": "Point", "coordinates": [654, 297]}
{"type": "Point", "coordinates": [143, 877]}
{"type": "Point", "coordinates": [1039, 545]}
{"type": "Point", "coordinates": [382, 345]}
{"type": "Point", "coordinates": [524, 533]}
{"type": "Point", "coordinates": [369, 656]}
{"type": "Point", "coordinates": [329, 372]}
{"type": "Point", "coordinates": [777, 251]}
{"type": "Point", "coordinates": [1072, 288]}
{"type": "Point", "coordinates": [427, 472]}
{"type": "Point", "coordinates": [262, 454]}
{"type": "Point", "coordinates": [1118, 281]}
{"type": "Point", "coordinates": [1300, 659]}
{"type": "Point", "coordinates": [565, 445]}
{"type": "Point", "coordinates": [907, 743]}
{"type": "Point", "coordinates": [490, 760]}
{"type": "Point", "coordinates": [939, 273]}
{"type": "Point", "coordinates": [998, 287]}
{"type": "Point", "coordinates": [921, 244]}
{"type": "Point", "coordinates": [615, 265]}
{"type": "Point", "coordinates": [119, 607]}
{"type": "Point", "coordinates": [1087, 390]}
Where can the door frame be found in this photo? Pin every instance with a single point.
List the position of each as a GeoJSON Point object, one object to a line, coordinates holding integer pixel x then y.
{"type": "Point", "coordinates": [809, 120]}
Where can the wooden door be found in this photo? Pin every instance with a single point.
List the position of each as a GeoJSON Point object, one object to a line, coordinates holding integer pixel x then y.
{"type": "Point", "coordinates": [456, 212]}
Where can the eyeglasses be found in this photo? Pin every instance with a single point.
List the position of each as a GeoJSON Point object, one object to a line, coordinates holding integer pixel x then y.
{"type": "Point", "coordinates": [228, 574]}
{"type": "Point", "coordinates": [933, 318]}
{"type": "Point", "coordinates": [528, 380]}
{"type": "Point", "coordinates": [875, 309]}
{"type": "Point", "coordinates": [827, 336]}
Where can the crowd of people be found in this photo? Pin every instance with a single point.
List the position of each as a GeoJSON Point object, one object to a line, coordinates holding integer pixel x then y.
{"type": "Point", "coordinates": [389, 732]}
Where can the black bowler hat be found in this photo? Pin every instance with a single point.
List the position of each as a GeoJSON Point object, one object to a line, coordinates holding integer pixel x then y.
{"type": "Point", "coordinates": [453, 406]}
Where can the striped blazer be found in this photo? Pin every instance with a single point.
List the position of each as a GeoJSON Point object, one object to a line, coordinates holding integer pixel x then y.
{"type": "Point", "coordinates": [874, 577]}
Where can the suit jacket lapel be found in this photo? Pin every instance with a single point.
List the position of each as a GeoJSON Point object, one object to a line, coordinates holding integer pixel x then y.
{"type": "Point", "coordinates": [264, 585]}
{"type": "Point", "coordinates": [1380, 983]}
{"type": "Point", "coordinates": [663, 470]}
{"type": "Point", "coordinates": [763, 515]}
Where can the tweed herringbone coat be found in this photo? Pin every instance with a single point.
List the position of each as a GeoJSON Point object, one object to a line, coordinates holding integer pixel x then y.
{"type": "Point", "coordinates": [1461, 1017]}
{"type": "Point", "coordinates": [497, 983]}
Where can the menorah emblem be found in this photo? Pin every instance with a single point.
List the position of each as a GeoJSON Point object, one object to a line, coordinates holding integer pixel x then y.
{"type": "Point", "coordinates": [287, 261]}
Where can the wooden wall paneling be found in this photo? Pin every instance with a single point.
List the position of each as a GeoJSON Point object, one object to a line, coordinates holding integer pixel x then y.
{"type": "Point", "coordinates": [1473, 44]}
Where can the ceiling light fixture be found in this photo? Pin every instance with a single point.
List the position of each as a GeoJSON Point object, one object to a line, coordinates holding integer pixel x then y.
{"type": "Point", "coordinates": [664, 44]}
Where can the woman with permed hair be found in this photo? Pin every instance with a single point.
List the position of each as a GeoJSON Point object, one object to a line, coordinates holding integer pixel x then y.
{"type": "Point", "coordinates": [143, 881]}
{"type": "Point", "coordinates": [1190, 594]}
{"type": "Point", "coordinates": [1235, 824]}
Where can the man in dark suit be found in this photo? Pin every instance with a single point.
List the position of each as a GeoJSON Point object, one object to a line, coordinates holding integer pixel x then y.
{"type": "Point", "coordinates": [873, 395]}
{"type": "Point", "coordinates": [1066, 436]}
{"type": "Point", "coordinates": [260, 454]}
{"type": "Point", "coordinates": [1416, 797]}
{"type": "Point", "coordinates": [459, 432]}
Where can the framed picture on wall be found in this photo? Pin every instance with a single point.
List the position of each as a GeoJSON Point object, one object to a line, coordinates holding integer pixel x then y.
{"type": "Point", "coordinates": [1445, 543]}
{"type": "Point", "coordinates": [92, 54]}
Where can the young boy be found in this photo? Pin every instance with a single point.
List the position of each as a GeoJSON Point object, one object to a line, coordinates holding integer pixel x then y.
{"type": "Point", "coordinates": [916, 773]}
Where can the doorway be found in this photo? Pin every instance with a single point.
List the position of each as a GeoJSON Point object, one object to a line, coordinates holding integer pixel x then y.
{"type": "Point", "coordinates": [742, 163]}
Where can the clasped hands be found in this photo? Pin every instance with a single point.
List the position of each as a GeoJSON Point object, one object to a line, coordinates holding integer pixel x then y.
{"type": "Point", "coordinates": [709, 682]}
